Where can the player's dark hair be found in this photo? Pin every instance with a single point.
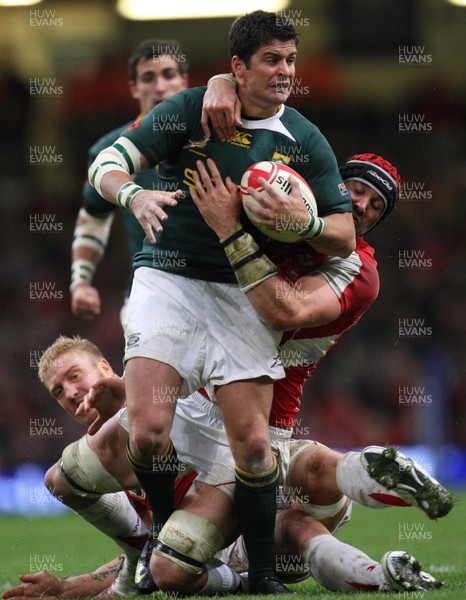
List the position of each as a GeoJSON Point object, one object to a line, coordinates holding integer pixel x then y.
{"type": "Point", "coordinates": [152, 49]}
{"type": "Point", "coordinates": [256, 29]}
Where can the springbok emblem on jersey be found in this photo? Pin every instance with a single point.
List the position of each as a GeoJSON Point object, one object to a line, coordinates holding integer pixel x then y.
{"type": "Point", "coordinates": [200, 144]}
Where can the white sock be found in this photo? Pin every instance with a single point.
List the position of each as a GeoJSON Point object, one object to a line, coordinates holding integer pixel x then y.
{"type": "Point", "coordinates": [220, 580]}
{"type": "Point", "coordinates": [124, 584]}
{"type": "Point", "coordinates": [340, 567]}
{"type": "Point", "coordinates": [114, 515]}
{"type": "Point", "coordinates": [356, 483]}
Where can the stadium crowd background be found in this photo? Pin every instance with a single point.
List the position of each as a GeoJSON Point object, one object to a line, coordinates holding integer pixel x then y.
{"type": "Point", "coordinates": [398, 377]}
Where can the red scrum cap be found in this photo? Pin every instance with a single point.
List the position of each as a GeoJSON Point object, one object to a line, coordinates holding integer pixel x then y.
{"type": "Point", "coordinates": [377, 173]}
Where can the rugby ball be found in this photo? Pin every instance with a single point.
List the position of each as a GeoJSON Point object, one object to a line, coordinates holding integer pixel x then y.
{"type": "Point", "coordinates": [277, 175]}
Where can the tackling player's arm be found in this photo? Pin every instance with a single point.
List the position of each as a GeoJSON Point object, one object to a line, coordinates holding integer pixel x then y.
{"type": "Point", "coordinates": [338, 236]}
{"type": "Point", "coordinates": [221, 106]}
{"type": "Point", "coordinates": [310, 302]}
{"type": "Point", "coordinates": [279, 303]}
{"type": "Point", "coordinates": [46, 585]}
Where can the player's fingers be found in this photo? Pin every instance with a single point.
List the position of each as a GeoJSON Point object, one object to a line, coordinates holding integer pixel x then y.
{"type": "Point", "coordinates": [271, 195]}
{"type": "Point", "coordinates": [14, 592]}
{"type": "Point", "coordinates": [261, 198]}
{"type": "Point", "coordinates": [238, 120]}
{"type": "Point", "coordinates": [200, 190]}
{"type": "Point", "coordinates": [257, 212]}
{"type": "Point", "coordinates": [196, 197]}
{"type": "Point", "coordinates": [212, 116]}
{"type": "Point", "coordinates": [218, 181]}
{"type": "Point", "coordinates": [293, 181]}
{"type": "Point", "coordinates": [167, 198]}
{"type": "Point", "coordinates": [147, 228]}
{"type": "Point", "coordinates": [204, 175]}
{"type": "Point", "coordinates": [232, 188]}
{"type": "Point", "coordinates": [219, 123]}
{"type": "Point", "coordinates": [205, 122]}
{"type": "Point", "coordinates": [230, 121]}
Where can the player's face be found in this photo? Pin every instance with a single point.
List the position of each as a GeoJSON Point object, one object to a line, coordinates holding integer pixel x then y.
{"type": "Point", "coordinates": [268, 80]}
{"type": "Point", "coordinates": [368, 206]}
{"type": "Point", "coordinates": [69, 378]}
{"type": "Point", "coordinates": [156, 80]}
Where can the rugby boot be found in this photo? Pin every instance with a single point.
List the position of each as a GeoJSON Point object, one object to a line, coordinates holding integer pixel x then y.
{"type": "Point", "coordinates": [143, 577]}
{"type": "Point", "coordinates": [403, 573]}
{"type": "Point", "coordinates": [268, 585]}
{"type": "Point", "coordinates": [396, 471]}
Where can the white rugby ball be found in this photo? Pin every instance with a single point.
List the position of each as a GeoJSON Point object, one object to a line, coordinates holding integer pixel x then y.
{"type": "Point", "coordinates": [277, 174]}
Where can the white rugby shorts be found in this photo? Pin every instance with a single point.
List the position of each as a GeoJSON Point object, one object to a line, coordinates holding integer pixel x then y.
{"type": "Point", "coordinates": [206, 331]}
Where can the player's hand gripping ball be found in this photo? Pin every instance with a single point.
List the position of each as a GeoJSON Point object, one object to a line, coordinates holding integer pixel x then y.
{"type": "Point", "coordinates": [276, 174]}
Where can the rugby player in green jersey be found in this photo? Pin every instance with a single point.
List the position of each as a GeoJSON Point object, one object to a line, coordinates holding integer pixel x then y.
{"type": "Point", "coordinates": [187, 319]}
{"type": "Point", "coordinates": [157, 69]}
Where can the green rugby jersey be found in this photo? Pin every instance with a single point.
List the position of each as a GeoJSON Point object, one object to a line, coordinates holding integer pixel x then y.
{"type": "Point", "coordinates": [172, 131]}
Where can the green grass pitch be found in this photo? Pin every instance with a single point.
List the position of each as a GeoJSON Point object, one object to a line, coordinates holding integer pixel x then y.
{"type": "Point", "coordinates": [67, 546]}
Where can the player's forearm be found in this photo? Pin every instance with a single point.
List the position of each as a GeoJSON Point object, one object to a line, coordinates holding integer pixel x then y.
{"type": "Point", "coordinates": [111, 185]}
{"type": "Point", "coordinates": [278, 304]}
{"type": "Point", "coordinates": [310, 302]}
{"type": "Point", "coordinates": [338, 237]}
{"type": "Point", "coordinates": [90, 236]}
{"type": "Point", "coordinates": [89, 243]}
{"type": "Point", "coordinates": [110, 173]}
{"type": "Point", "coordinates": [91, 584]}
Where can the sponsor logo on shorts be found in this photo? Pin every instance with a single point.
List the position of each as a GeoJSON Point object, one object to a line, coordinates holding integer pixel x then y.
{"type": "Point", "coordinates": [277, 360]}
{"type": "Point", "coordinates": [132, 341]}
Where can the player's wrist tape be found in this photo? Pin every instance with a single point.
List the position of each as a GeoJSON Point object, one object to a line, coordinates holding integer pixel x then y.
{"type": "Point", "coordinates": [126, 193]}
{"type": "Point", "coordinates": [92, 232]}
{"type": "Point", "coordinates": [227, 77]}
{"type": "Point", "coordinates": [82, 271]}
{"type": "Point", "coordinates": [313, 229]}
{"type": "Point", "coordinates": [250, 265]}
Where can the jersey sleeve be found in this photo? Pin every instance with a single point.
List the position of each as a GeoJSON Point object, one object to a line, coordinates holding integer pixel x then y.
{"type": "Point", "coordinates": [355, 280]}
{"type": "Point", "coordinates": [163, 132]}
{"type": "Point", "coordinates": [92, 200]}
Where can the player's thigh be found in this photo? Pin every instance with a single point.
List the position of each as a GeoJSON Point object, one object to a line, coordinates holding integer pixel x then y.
{"type": "Point", "coordinates": [246, 407]}
{"type": "Point", "coordinates": [152, 388]}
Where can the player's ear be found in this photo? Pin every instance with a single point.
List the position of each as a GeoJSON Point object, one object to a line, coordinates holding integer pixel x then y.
{"type": "Point", "coordinates": [185, 81]}
{"type": "Point", "coordinates": [238, 67]}
{"type": "Point", "coordinates": [133, 90]}
{"type": "Point", "coordinates": [105, 367]}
